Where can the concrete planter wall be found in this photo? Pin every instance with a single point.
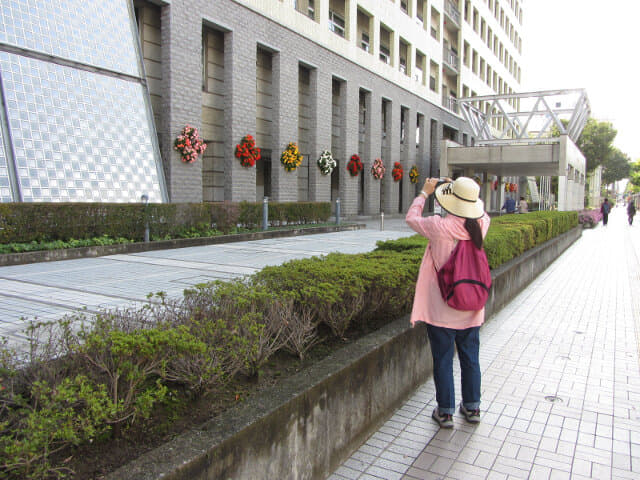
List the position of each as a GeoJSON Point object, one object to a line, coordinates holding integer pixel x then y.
{"type": "Point", "coordinates": [307, 426]}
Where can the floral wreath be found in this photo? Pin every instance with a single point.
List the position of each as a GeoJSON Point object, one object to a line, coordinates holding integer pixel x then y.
{"type": "Point", "coordinates": [189, 144]}
{"type": "Point", "coordinates": [326, 163]}
{"type": "Point", "coordinates": [378, 169]}
{"type": "Point", "coordinates": [397, 172]}
{"type": "Point", "coordinates": [414, 174]}
{"type": "Point", "coordinates": [355, 165]}
{"type": "Point", "coordinates": [291, 158]}
{"type": "Point", "coordinates": [247, 151]}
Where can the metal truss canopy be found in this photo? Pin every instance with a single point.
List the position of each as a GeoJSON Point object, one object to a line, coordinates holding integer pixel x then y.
{"type": "Point", "coordinates": [526, 118]}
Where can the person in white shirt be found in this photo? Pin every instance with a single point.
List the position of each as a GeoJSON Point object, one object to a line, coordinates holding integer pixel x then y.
{"type": "Point", "coordinates": [523, 207]}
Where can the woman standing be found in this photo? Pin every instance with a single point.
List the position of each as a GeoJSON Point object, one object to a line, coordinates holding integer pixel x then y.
{"type": "Point", "coordinates": [631, 210]}
{"type": "Point", "coordinates": [446, 326]}
{"type": "Point", "coordinates": [605, 208]}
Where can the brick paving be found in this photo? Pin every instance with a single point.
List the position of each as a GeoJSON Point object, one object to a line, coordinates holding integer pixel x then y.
{"type": "Point", "coordinates": [561, 382]}
{"type": "Point", "coordinates": [50, 290]}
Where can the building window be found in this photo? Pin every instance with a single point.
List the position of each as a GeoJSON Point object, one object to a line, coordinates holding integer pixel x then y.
{"type": "Point", "coordinates": [364, 44]}
{"type": "Point", "coordinates": [336, 23]}
{"type": "Point", "coordinates": [306, 7]}
{"type": "Point", "coordinates": [385, 55]}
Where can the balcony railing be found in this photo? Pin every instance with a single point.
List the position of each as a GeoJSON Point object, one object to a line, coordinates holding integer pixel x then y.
{"type": "Point", "coordinates": [451, 59]}
{"type": "Point", "coordinates": [453, 12]}
{"type": "Point", "coordinates": [450, 103]}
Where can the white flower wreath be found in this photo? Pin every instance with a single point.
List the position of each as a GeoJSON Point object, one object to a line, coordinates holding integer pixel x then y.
{"type": "Point", "coordinates": [326, 162]}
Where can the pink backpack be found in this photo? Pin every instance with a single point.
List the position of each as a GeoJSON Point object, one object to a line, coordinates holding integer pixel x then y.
{"type": "Point", "coordinates": [465, 278]}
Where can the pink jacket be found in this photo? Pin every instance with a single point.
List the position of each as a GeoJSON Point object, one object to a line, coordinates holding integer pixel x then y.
{"type": "Point", "coordinates": [428, 305]}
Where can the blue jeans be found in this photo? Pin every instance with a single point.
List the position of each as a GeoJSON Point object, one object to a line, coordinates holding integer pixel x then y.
{"type": "Point", "coordinates": [442, 348]}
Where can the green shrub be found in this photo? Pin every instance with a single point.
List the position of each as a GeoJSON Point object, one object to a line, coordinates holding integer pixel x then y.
{"type": "Point", "coordinates": [250, 321]}
{"type": "Point", "coordinates": [132, 361]}
{"type": "Point", "coordinates": [25, 223]}
{"type": "Point", "coordinates": [407, 243]}
{"type": "Point", "coordinates": [51, 420]}
{"type": "Point", "coordinates": [508, 235]}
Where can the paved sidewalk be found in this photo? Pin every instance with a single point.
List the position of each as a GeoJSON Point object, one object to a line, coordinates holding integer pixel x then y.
{"type": "Point", "coordinates": [561, 382]}
{"type": "Point", "coordinates": [50, 290]}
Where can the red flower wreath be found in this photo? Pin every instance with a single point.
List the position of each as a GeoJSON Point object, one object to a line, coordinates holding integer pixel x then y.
{"type": "Point", "coordinates": [247, 151]}
{"type": "Point", "coordinates": [355, 165]}
{"type": "Point", "coordinates": [397, 172]}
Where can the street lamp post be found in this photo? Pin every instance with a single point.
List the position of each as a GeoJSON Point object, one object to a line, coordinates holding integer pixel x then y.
{"type": "Point", "coordinates": [145, 200]}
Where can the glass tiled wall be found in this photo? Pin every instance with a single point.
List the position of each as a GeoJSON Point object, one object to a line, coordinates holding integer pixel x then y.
{"type": "Point", "coordinates": [5, 189]}
{"type": "Point", "coordinates": [93, 32]}
{"type": "Point", "coordinates": [78, 133]}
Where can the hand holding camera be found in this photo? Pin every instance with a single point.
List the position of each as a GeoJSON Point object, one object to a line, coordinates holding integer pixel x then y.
{"type": "Point", "coordinates": [430, 184]}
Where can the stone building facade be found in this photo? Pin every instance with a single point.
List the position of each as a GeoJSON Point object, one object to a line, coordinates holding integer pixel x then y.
{"type": "Point", "coordinates": [274, 70]}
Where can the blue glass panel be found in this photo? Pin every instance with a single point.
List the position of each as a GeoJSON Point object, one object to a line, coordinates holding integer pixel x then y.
{"type": "Point", "coordinates": [95, 32]}
{"type": "Point", "coordinates": [77, 135]}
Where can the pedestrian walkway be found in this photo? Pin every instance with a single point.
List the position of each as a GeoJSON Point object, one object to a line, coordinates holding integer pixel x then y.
{"type": "Point", "coordinates": [50, 290]}
{"type": "Point", "coordinates": [561, 382]}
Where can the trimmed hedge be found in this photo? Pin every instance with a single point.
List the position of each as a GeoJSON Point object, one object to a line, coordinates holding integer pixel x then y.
{"type": "Point", "coordinates": [42, 222]}
{"type": "Point", "coordinates": [508, 236]}
{"type": "Point", "coordinates": [87, 378]}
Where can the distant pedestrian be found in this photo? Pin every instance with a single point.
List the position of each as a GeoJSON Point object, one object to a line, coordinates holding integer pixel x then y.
{"type": "Point", "coordinates": [449, 328]}
{"type": "Point", "coordinates": [605, 208]}
{"type": "Point", "coordinates": [631, 211]}
{"type": "Point", "coordinates": [509, 205]}
{"type": "Point", "coordinates": [523, 206]}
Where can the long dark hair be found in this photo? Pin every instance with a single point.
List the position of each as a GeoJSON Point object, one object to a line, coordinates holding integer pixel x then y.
{"type": "Point", "coordinates": [475, 232]}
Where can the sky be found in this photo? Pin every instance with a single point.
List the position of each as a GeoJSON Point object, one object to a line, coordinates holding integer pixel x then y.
{"type": "Point", "coordinates": [590, 44]}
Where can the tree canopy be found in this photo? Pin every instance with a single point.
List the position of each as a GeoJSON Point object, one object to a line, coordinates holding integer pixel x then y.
{"type": "Point", "coordinates": [596, 143]}
{"type": "Point", "coordinates": [634, 177]}
{"type": "Point", "coordinates": [615, 167]}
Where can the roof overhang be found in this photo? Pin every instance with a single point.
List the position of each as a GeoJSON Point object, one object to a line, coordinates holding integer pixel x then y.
{"type": "Point", "coordinates": [555, 157]}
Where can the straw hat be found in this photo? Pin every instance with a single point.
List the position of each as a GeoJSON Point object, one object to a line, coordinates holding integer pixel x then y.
{"type": "Point", "coordinates": [460, 198]}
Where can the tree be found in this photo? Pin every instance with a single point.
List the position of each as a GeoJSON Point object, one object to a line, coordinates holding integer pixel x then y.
{"type": "Point", "coordinates": [595, 142]}
{"type": "Point", "coordinates": [634, 177]}
{"type": "Point", "coordinates": [615, 167]}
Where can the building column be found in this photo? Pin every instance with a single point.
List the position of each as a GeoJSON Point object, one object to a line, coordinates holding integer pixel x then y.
{"type": "Point", "coordinates": [372, 150]}
{"type": "Point", "coordinates": [391, 187]}
{"type": "Point", "coordinates": [180, 73]}
{"type": "Point", "coordinates": [284, 185]}
{"type": "Point", "coordinates": [422, 153]}
{"type": "Point", "coordinates": [435, 146]}
{"type": "Point", "coordinates": [319, 184]}
{"type": "Point", "coordinates": [349, 187]}
{"type": "Point", "coordinates": [240, 53]}
{"type": "Point", "coordinates": [408, 188]}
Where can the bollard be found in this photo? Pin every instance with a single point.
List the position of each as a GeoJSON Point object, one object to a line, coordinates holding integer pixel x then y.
{"type": "Point", "coordinates": [337, 211]}
{"type": "Point", "coordinates": [145, 200]}
{"type": "Point", "coordinates": [381, 221]}
{"type": "Point", "coordinates": [265, 214]}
